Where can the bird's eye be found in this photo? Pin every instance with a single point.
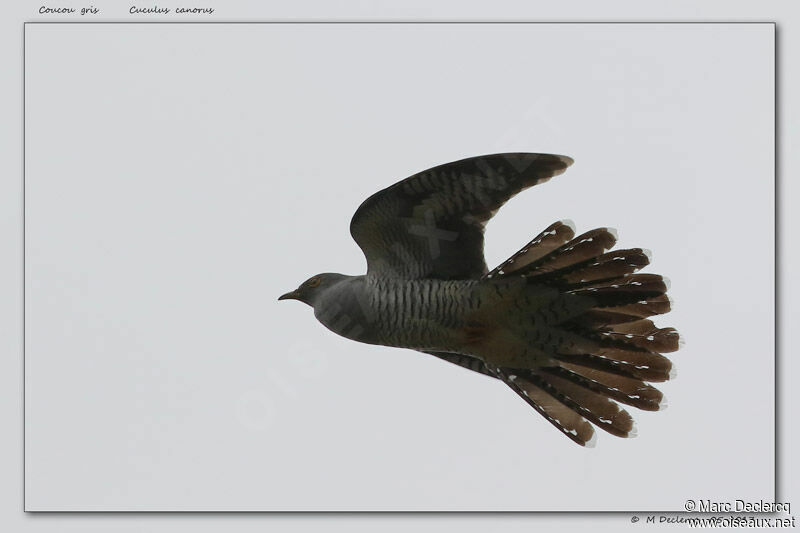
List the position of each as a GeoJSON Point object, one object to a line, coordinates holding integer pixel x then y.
{"type": "Point", "coordinates": [313, 282]}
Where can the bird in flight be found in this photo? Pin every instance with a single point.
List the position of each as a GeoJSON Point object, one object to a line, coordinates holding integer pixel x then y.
{"type": "Point", "coordinates": [564, 322]}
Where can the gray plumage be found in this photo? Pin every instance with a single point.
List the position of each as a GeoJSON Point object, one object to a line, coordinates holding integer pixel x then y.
{"type": "Point", "coordinates": [563, 322]}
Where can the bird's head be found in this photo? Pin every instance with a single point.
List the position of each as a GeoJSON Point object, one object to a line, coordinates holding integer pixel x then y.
{"type": "Point", "coordinates": [310, 290]}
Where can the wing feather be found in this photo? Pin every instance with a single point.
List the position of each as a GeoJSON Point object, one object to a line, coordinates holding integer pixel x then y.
{"type": "Point", "coordinates": [431, 224]}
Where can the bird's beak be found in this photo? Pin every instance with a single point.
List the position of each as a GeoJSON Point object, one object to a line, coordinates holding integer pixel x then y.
{"type": "Point", "coordinates": [290, 296]}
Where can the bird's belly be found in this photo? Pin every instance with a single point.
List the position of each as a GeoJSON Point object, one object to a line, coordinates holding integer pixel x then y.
{"type": "Point", "coordinates": [420, 334]}
{"type": "Point", "coordinates": [423, 314]}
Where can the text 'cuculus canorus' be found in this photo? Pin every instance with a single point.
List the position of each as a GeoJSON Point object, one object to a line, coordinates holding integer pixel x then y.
{"type": "Point", "coordinates": [563, 322]}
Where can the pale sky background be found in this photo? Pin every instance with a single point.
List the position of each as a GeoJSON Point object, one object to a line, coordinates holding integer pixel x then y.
{"type": "Point", "coordinates": [180, 178]}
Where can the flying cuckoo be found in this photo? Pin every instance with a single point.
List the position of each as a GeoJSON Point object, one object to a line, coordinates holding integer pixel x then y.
{"type": "Point", "coordinates": [564, 322]}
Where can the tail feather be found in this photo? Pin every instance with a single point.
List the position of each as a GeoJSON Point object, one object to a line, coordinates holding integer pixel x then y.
{"type": "Point", "coordinates": [627, 390]}
{"type": "Point", "coordinates": [636, 284]}
{"type": "Point", "coordinates": [611, 265]}
{"type": "Point", "coordinates": [564, 418]}
{"type": "Point", "coordinates": [628, 362]}
{"type": "Point", "coordinates": [656, 305]}
{"type": "Point", "coordinates": [624, 291]}
{"type": "Point", "coordinates": [591, 311]}
{"type": "Point", "coordinates": [553, 237]}
{"type": "Point", "coordinates": [580, 249]}
{"type": "Point", "coordinates": [644, 334]}
{"type": "Point", "coordinates": [594, 407]}
{"type": "Point", "coordinates": [599, 318]}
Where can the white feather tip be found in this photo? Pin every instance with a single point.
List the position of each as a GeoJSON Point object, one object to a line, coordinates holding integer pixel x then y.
{"type": "Point", "coordinates": [663, 404]}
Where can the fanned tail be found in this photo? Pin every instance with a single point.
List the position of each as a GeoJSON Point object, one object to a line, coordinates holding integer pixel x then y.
{"type": "Point", "coordinates": [606, 347]}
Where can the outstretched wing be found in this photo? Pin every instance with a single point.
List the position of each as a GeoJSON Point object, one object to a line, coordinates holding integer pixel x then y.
{"type": "Point", "coordinates": [431, 224]}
